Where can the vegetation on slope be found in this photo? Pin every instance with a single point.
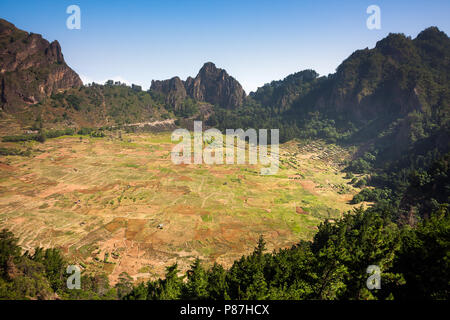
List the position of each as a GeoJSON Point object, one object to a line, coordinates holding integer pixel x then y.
{"type": "Point", "coordinates": [413, 262]}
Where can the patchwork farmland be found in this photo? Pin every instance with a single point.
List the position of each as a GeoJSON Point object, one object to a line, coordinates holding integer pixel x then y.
{"type": "Point", "coordinates": [118, 204]}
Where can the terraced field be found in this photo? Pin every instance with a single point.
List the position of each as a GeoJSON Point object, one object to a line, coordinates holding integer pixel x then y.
{"type": "Point", "coordinates": [119, 204]}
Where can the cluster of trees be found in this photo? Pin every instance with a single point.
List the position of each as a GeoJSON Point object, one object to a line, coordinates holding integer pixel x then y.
{"type": "Point", "coordinates": [95, 133]}
{"type": "Point", "coordinates": [400, 180]}
{"type": "Point", "coordinates": [41, 136]}
{"type": "Point", "coordinates": [15, 152]}
{"type": "Point", "coordinates": [372, 195]}
{"type": "Point", "coordinates": [42, 275]}
{"type": "Point", "coordinates": [187, 108]}
{"type": "Point", "coordinates": [113, 100]}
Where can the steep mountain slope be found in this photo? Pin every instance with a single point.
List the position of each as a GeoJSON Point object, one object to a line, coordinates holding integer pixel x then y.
{"type": "Point", "coordinates": [173, 89]}
{"type": "Point", "coordinates": [31, 68]}
{"type": "Point", "coordinates": [397, 77]}
{"type": "Point", "coordinates": [397, 94]}
{"type": "Point", "coordinates": [280, 95]}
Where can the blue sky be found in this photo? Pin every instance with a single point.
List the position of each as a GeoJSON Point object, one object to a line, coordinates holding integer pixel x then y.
{"type": "Point", "coordinates": [255, 41]}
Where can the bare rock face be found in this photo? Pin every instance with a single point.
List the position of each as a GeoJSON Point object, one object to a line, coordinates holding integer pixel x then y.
{"type": "Point", "coordinates": [173, 89]}
{"type": "Point", "coordinates": [31, 68]}
{"type": "Point", "coordinates": [215, 86]}
{"type": "Point", "coordinates": [212, 85]}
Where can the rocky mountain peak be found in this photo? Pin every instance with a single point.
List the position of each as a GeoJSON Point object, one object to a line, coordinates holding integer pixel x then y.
{"type": "Point", "coordinates": [209, 67]}
{"type": "Point", "coordinates": [215, 86]}
{"type": "Point", "coordinates": [54, 52]}
{"type": "Point", "coordinates": [173, 89]}
{"type": "Point", "coordinates": [31, 68]}
{"type": "Point", "coordinates": [212, 85]}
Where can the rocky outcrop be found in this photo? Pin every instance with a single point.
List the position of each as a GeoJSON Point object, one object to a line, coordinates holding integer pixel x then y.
{"type": "Point", "coordinates": [173, 89]}
{"type": "Point", "coordinates": [31, 68]}
{"type": "Point", "coordinates": [212, 85]}
{"type": "Point", "coordinates": [215, 86]}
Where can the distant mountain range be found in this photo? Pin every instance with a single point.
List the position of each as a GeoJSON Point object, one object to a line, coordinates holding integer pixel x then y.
{"type": "Point", "coordinates": [397, 91]}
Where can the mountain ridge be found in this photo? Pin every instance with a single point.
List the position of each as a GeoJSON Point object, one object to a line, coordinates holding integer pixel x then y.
{"type": "Point", "coordinates": [398, 90]}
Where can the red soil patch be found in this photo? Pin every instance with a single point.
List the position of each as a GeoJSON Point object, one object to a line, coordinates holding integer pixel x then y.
{"type": "Point", "coordinates": [203, 234]}
{"type": "Point", "coordinates": [19, 220]}
{"type": "Point", "coordinates": [135, 226]}
{"type": "Point", "coordinates": [308, 185]}
{"type": "Point", "coordinates": [58, 188]}
{"type": "Point", "coordinates": [62, 158]}
{"type": "Point", "coordinates": [116, 224]}
{"type": "Point", "coordinates": [300, 210]}
{"type": "Point", "coordinates": [231, 231]}
{"type": "Point", "coordinates": [184, 178]}
{"type": "Point", "coordinates": [97, 189]}
{"type": "Point", "coordinates": [177, 190]}
{"type": "Point", "coordinates": [6, 167]}
{"type": "Point", "coordinates": [43, 155]}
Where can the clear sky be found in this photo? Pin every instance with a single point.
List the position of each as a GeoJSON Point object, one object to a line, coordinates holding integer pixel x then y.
{"type": "Point", "coordinates": [255, 41]}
